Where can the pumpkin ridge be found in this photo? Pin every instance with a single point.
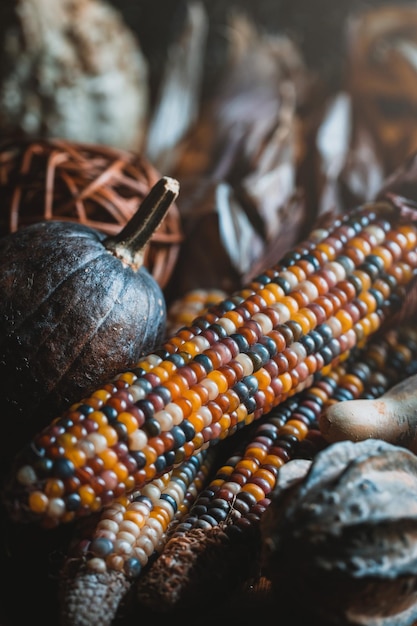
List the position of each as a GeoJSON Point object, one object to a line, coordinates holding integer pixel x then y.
{"type": "Point", "coordinates": [53, 288]}
{"type": "Point", "coordinates": [11, 337]}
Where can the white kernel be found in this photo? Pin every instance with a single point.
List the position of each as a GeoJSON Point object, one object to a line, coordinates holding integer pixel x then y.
{"type": "Point", "coordinates": [336, 326]}
{"type": "Point", "coordinates": [153, 359]}
{"type": "Point", "coordinates": [107, 534]}
{"type": "Point", "coordinates": [99, 441]}
{"type": "Point", "coordinates": [123, 535]}
{"type": "Point", "coordinates": [232, 486]}
{"type": "Point", "coordinates": [129, 527]}
{"type": "Point", "coordinates": [108, 524]}
{"type": "Point", "coordinates": [176, 412]}
{"type": "Point", "coordinates": [141, 555]}
{"type": "Point", "coordinates": [117, 516]}
{"type": "Point", "coordinates": [264, 322]}
{"type": "Point", "coordinates": [156, 525]}
{"type": "Point", "coordinates": [97, 565]}
{"type": "Point", "coordinates": [202, 343]}
{"type": "Point", "coordinates": [376, 231]}
{"type": "Point", "coordinates": [164, 419]}
{"type": "Point", "coordinates": [206, 414]}
{"type": "Point", "coordinates": [291, 278]}
{"type": "Point", "coordinates": [227, 324]}
{"type": "Point", "coordinates": [122, 547]}
{"type": "Point", "coordinates": [338, 270]}
{"type": "Point", "coordinates": [26, 476]}
{"type": "Point", "coordinates": [212, 388]}
{"type": "Point", "coordinates": [300, 350]}
{"type": "Point", "coordinates": [282, 310]}
{"type": "Point", "coordinates": [151, 534]}
{"type": "Point", "coordinates": [309, 289]}
{"type": "Point", "coordinates": [87, 447]}
{"type": "Point", "coordinates": [318, 234]}
{"type": "Point", "coordinates": [138, 393]}
{"type": "Point", "coordinates": [152, 492]}
{"type": "Point", "coordinates": [164, 504]}
{"type": "Point", "coordinates": [56, 507]}
{"type": "Point", "coordinates": [246, 363]}
{"type": "Point", "coordinates": [146, 544]}
{"type": "Point", "coordinates": [137, 439]}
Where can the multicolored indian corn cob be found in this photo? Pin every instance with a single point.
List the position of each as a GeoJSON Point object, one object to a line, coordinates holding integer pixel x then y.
{"type": "Point", "coordinates": [235, 363]}
{"type": "Point", "coordinates": [103, 562]}
{"type": "Point", "coordinates": [220, 533]}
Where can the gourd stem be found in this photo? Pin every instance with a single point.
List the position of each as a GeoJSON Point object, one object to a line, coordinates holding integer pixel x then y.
{"type": "Point", "coordinates": [129, 244]}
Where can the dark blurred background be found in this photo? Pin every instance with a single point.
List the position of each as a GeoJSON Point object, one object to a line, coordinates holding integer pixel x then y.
{"type": "Point", "coordinates": [316, 25]}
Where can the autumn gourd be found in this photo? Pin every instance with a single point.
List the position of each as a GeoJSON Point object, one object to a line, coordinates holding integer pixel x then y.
{"type": "Point", "coordinates": [76, 307]}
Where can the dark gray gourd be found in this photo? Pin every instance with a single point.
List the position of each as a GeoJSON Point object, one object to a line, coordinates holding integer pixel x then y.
{"type": "Point", "coordinates": [76, 307]}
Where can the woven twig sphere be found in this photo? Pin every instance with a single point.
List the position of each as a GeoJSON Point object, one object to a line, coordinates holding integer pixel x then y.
{"type": "Point", "coordinates": [98, 186]}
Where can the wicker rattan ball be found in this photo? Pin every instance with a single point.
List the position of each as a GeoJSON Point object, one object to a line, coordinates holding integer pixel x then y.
{"type": "Point", "coordinates": [95, 185]}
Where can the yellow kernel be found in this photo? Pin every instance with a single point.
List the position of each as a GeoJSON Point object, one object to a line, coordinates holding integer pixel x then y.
{"type": "Point", "coordinates": [130, 483]}
{"type": "Point", "coordinates": [267, 476]}
{"type": "Point", "coordinates": [410, 234]}
{"type": "Point", "coordinates": [286, 381]}
{"type": "Point", "coordinates": [194, 397]}
{"type": "Point", "coordinates": [248, 464]}
{"type": "Point", "coordinates": [161, 372]}
{"type": "Point", "coordinates": [291, 304]}
{"type": "Point", "coordinates": [169, 367]}
{"type": "Point", "coordinates": [276, 291]}
{"type": "Point", "coordinates": [101, 394]}
{"type": "Point", "coordinates": [303, 320]}
{"type": "Point", "coordinates": [273, 460]}
{"type": "Point", "coordinates": [384, 254]}
{"type": "Point", "coordinates": [54, 488]}
{"type": "Point", "coordinates": [256, 453]}
{"type": "Point", "coordinates": [298, 271]}
{"type": "Point", "coordinates": [128, 377]}
{"type": "Point", "coordinates": [136, 517]}
{"type": "Point", "coordinates": [224, 422]}
{"type": "Point", "coordinates": [254, 490]}
{"type": "Point", "coordinates": [345, 319]}
{"type": "Point", "coordinates": [128, 420]}
{"type": "Point", "coordinates": [263, 377]}
{"type": "Point", "coordinates": [242, 413]}
{"type": "Point", "coordinates": [162, 516]}
{"type": "Point", "coordinates": [87, 495]}
{"type": "Point", "coordinates": [190, 348]}
{"type": "Point", "coordinates": [66, 440]}
{"type": "Point", "coordinates": [216, 483]}
{"type": "Point", "coordinates": [267, 295]}
{"type": "Point", "coordinates": [290, 429]}
{"type": "Point", "coordinates": [77, 456]}
{"type": "Point", "coordinates": [109, 458]}
{"type": "Point", "coordinates": [355, 381]}
{"type": "Point", "coordinates": [99, 418]}
{"type": "Point", "coordinates": [197, 421]}
{"type": "Point", "coordinates": [220, 380]}
{"type": "Point", "coordinates": [121, 471]}
{"type": "Point", "coordinates": [363, 277]}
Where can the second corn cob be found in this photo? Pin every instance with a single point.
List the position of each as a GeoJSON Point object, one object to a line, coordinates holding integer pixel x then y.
{"type": "Point", "coordinates": [231, 366]}
{"type": "Point", "coordinates": [103, 563]}
{"type": "Point", "coordinates": [220, 533]}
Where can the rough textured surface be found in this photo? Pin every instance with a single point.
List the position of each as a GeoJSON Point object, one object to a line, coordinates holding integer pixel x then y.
{"type": "Point", "coordinates": [74, 70]}
{"type": "Point", "coordinates": [92, 598]}
{"type": "Point", "coordinates": [346, 531]}
{"type": "Point", "coordinates": [193, 562]}
{"type": "Point", "coordinates": [71, 317]}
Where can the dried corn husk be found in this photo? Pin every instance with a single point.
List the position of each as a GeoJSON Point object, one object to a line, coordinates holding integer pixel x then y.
{"type": "Point", "coordinates": [342, 532]}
